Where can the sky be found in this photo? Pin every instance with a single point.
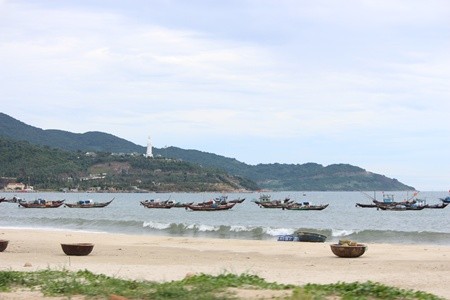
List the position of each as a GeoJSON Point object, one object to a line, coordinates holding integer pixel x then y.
{"type": "Point", "coordinates": [365, 82]}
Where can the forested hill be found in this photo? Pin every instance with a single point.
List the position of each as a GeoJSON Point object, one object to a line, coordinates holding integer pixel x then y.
{"type": "Point", "coordinates": [294, 177]}
{"type": "Point", "coordinates": [89, 141]}
{"type": "Point", "coordinates": [48, 168]}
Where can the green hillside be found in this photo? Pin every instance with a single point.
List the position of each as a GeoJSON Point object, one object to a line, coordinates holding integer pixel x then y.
{"type": "Point", "coordinates": [48, 168]}
{"type": "Point", "coordinates": [293, 177]}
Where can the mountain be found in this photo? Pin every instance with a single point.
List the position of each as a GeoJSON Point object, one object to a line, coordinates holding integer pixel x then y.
{"type": "Point", "coordinates": [294, 177]}
{"type": "Point", "coordinates": [90, 141]}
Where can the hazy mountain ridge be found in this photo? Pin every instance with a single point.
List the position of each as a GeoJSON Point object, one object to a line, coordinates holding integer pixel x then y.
{"type": "Point", "coordinates": [303, 177]}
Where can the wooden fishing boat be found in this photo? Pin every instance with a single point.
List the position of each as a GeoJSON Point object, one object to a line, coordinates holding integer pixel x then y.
{"type": "Point", "coordinates": [400, 207]}
{"type": "Point", "coordinates": [224, 199]}
{"type": "Point", "coordinates": [388, 200]}
{"type": "Point", "coordinates": [157, 204]}
{"type": "Point", "coordinates": [394, 203]}
{"type": "Point", "coordinates": [305, 206]}
{"type": "Point", "coordinates": [42, 203]}
{"type": "Point", "coordinates": [88, 204]}
{"type": "Point", "coordinates": [264, 198]}
{"type": "Point", "coordinates": [211, 207]}
{"type": "Point", "coordinates": [274, 204]}
{"type": "Point", "coordinates": [265, 201]}
{"type": "Point", "coordinates": [368, 205]}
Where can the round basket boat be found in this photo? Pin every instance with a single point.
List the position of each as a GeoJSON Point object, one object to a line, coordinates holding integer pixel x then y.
{"type": "Point", "coordinates": [3, 245]}
{"type": "Point", "coordinates": [348, 251]}
{"type": "Point", "coordinates": [78, 249]}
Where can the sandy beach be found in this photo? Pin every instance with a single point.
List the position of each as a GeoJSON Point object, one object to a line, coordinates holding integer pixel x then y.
{"type": "Point", "coordinates": [156, 258]}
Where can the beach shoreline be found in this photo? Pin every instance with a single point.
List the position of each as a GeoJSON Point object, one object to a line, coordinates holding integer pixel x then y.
{"type": "Point", "coordinates": [162, 258]}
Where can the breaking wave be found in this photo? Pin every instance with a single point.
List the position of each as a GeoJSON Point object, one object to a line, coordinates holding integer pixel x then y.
{"type": "Point", "coordinates": [267, 233]}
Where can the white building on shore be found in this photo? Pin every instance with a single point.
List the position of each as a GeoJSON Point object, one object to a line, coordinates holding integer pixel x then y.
{"type": "Point", "coordinates": [149, 148]}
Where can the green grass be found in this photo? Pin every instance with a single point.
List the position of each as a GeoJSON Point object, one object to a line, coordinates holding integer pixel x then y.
{"type": "Point", "coordinates": [198, 287]}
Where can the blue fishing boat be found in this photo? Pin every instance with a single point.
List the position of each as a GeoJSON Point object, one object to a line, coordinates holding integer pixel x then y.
{"type": "Point", "coordinates": [303, 236]}
{"type": "Point", "coordinates": [311, 237]}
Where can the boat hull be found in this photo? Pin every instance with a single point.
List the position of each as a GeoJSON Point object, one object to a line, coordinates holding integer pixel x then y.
{"type": "Point", "coordinates": [310, 207]}
{"type": "Point", "coordinates": [211, 207]}
{"type": "Point", "coordinates": [89, 205]}
{"type": "Point", "coordinates": [365, 205]}
{"type": "Point", "coordinates": [49, 204]}
{"type": "Point", "coordinates": [311, 237]}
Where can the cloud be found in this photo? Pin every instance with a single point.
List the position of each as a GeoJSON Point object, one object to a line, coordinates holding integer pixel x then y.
{"type": "Point", "coordinates": [344, 78]}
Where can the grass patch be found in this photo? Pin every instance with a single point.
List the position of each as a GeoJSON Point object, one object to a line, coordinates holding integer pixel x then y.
{"type": "Point", "coordinates": [198, 287]}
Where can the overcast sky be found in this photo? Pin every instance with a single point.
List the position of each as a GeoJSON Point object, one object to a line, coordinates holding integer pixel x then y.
{"type": "Point", "coordinates": [270, 81]}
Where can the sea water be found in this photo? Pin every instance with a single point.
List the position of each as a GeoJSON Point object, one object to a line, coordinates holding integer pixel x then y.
{"type": "Point", "coordinates": [340, 220]}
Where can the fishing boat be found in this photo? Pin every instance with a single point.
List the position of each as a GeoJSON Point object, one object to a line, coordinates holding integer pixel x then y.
{"type": "Point", "coordinates": [310, 237]}
{"type": "Point", "coordinates": [42, 203]}
{"type": "Point", "coordinates": [223, 199]}
{"type": "Point", "coordinates": [303, 236]}
{"type": "Point", "coordinates": [400, 207]}
{"type": "Point", "coordinates": [157, 204]}
{"type": "Point", "coordinates": [89, 203]}
{"type": "Point", "coordinates": [364, 205]}
{"type": "Point", "coordinates": [368, 205]}
{"type": "Point", "coordinates": [388, 203]}
{"type": "Point", "coordinates": [305, 206]}
{"type": "Point", "coordinates": [265, 201]}
{"type": "Point", "coordinates": [210, 207]}
{"type": "Point", "coordinates": [274, 204]}
{"type": "Point", "coordinates": [388, 200]}
{"type": "Point", "coordinates": [264, 198]}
